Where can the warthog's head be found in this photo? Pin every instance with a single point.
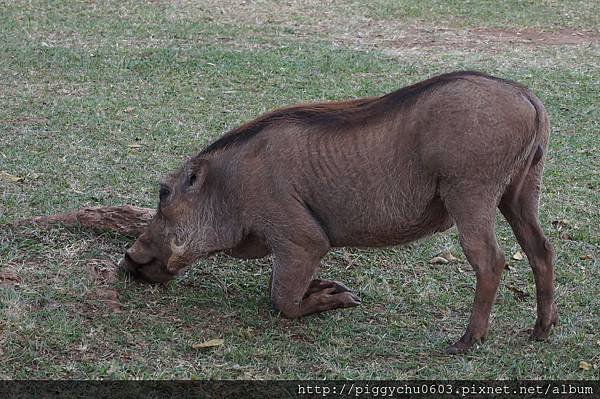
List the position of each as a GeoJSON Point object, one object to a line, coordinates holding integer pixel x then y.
{"type": "Point", "coordinates": [182, 230]}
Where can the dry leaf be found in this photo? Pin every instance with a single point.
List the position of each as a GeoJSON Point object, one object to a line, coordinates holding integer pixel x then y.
{"type": "Point", "coordinates": [7, 177]}
{"type": "Point", "coordinates": [586, 257]}
{"type": "Point", "coordinates": [565, 236]}
{"type": "Point", "coordinates": [437, 260]}
{"type": "Point", "coordinates": [518, 256]}
{"type": "Point", "coordinates": [209, 344]}
{"type": "Point", "coordinates": [560, 223]}
{"type": "Point", "coordinates": [135, 146]}
{"type": "Point", "coordinates": [508, 267]}
{"type": "Point", "coordinates": [518, 294]}
{"type": "Point", "coordinates": [448, 256]}
{"type": "Point", "coordinates": [583, 365]}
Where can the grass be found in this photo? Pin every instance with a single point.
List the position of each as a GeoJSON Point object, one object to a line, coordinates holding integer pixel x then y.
{"type": "Point", "coordinates": [98, 101]}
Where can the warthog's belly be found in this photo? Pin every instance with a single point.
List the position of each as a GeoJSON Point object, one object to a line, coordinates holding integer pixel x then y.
{"type": "Point", "coordinates": [387, 227]}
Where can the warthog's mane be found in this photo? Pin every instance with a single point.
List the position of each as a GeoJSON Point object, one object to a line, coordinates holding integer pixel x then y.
{"type": "Point", "coordinates": [339, 112]}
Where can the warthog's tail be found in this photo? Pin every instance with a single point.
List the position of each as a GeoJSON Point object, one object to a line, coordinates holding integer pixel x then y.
{"type": "Point", "coordinates": [539, 142]}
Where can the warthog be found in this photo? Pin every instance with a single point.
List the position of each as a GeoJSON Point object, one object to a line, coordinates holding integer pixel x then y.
{"type": "Point", "coordinates": [371, 172]}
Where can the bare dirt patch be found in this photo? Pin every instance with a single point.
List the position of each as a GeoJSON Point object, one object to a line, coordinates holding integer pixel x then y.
{"type": "Point", "coordinates": [531, 36]}
{"type": "Point", "coordinates": [440, 37]}
{"type": "Point", "coordinates": [9, 277]}
{"type": "Point", "coordinates": [104, 273]}
{"type": "Point", "coordinates": [23, 120]}
{"type": "Point", "coordinates": [481, 39]}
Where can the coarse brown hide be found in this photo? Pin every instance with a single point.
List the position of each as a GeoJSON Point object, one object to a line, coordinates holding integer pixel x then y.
{"type": "Point", "coordinates": [371, 172]}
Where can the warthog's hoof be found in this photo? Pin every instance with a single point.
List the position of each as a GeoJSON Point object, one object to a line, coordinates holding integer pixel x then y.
{"type": "Point", "coordinates": [338, 292]}
{"type": "Point", "coordinates": [462, 345]}
{"type": "Point", "coordinates": [351, 299]}
{"type": "Point", "coordinates": [541, 330]}
{"type": "Point", "coordinates": [344, 299]}
{"type": "Point", "coordinates": [335, 287]}
{"type": "Point", "coordinates": [457, 348]}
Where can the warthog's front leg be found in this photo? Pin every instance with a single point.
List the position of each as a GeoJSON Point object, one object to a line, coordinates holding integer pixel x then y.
{"type": "Point", "coordinates": [293, 291]}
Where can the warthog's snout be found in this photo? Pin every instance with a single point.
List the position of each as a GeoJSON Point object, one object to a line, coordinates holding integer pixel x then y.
{"type": "Point", "coordinates": [128, 265]}
{"type": "Point", "coordinates": [139, 263]}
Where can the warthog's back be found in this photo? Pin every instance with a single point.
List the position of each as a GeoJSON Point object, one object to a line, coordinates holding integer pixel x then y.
{"type": "Point", "coordinates": [372, 171]}
{"type": "Point", "coordinates": [373, 176]}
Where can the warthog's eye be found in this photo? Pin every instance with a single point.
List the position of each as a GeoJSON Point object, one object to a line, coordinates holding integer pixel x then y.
{"type": "Point", "coordinates": [163, 193]}
{"type": "Point", "coordinates": [192, 179]}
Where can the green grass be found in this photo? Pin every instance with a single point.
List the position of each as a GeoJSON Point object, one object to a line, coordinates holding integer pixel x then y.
{"type": "Point", "coordinates": [98, 103]}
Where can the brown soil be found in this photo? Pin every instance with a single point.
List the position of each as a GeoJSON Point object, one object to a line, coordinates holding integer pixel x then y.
{"type": "Point", "coordinates": [532, 36]}
{"type": "Point", "coordinates": [104, 274]}
{"type": "Point", "coordinates": [8, 277]}
{"type": "Point", "coordinates": [420, 38]}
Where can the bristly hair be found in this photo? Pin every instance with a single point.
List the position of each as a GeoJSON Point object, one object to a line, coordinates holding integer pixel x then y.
{"type": "Point", "coordinates": [341, 112]}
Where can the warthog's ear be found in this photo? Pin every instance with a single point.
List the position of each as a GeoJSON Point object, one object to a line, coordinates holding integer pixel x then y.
{"type": "Point", "coordinates": [196, 173]}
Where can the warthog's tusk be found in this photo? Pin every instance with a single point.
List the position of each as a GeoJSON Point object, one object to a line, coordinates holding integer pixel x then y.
{"type": "Point", "coordinates": [176, 259]}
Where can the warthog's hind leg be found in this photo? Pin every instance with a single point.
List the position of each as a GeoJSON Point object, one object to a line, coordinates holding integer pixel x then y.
{"type": "Point", "coordinates": [473, 208]}
{"type": "Point", "coordinates": [521, 213]}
